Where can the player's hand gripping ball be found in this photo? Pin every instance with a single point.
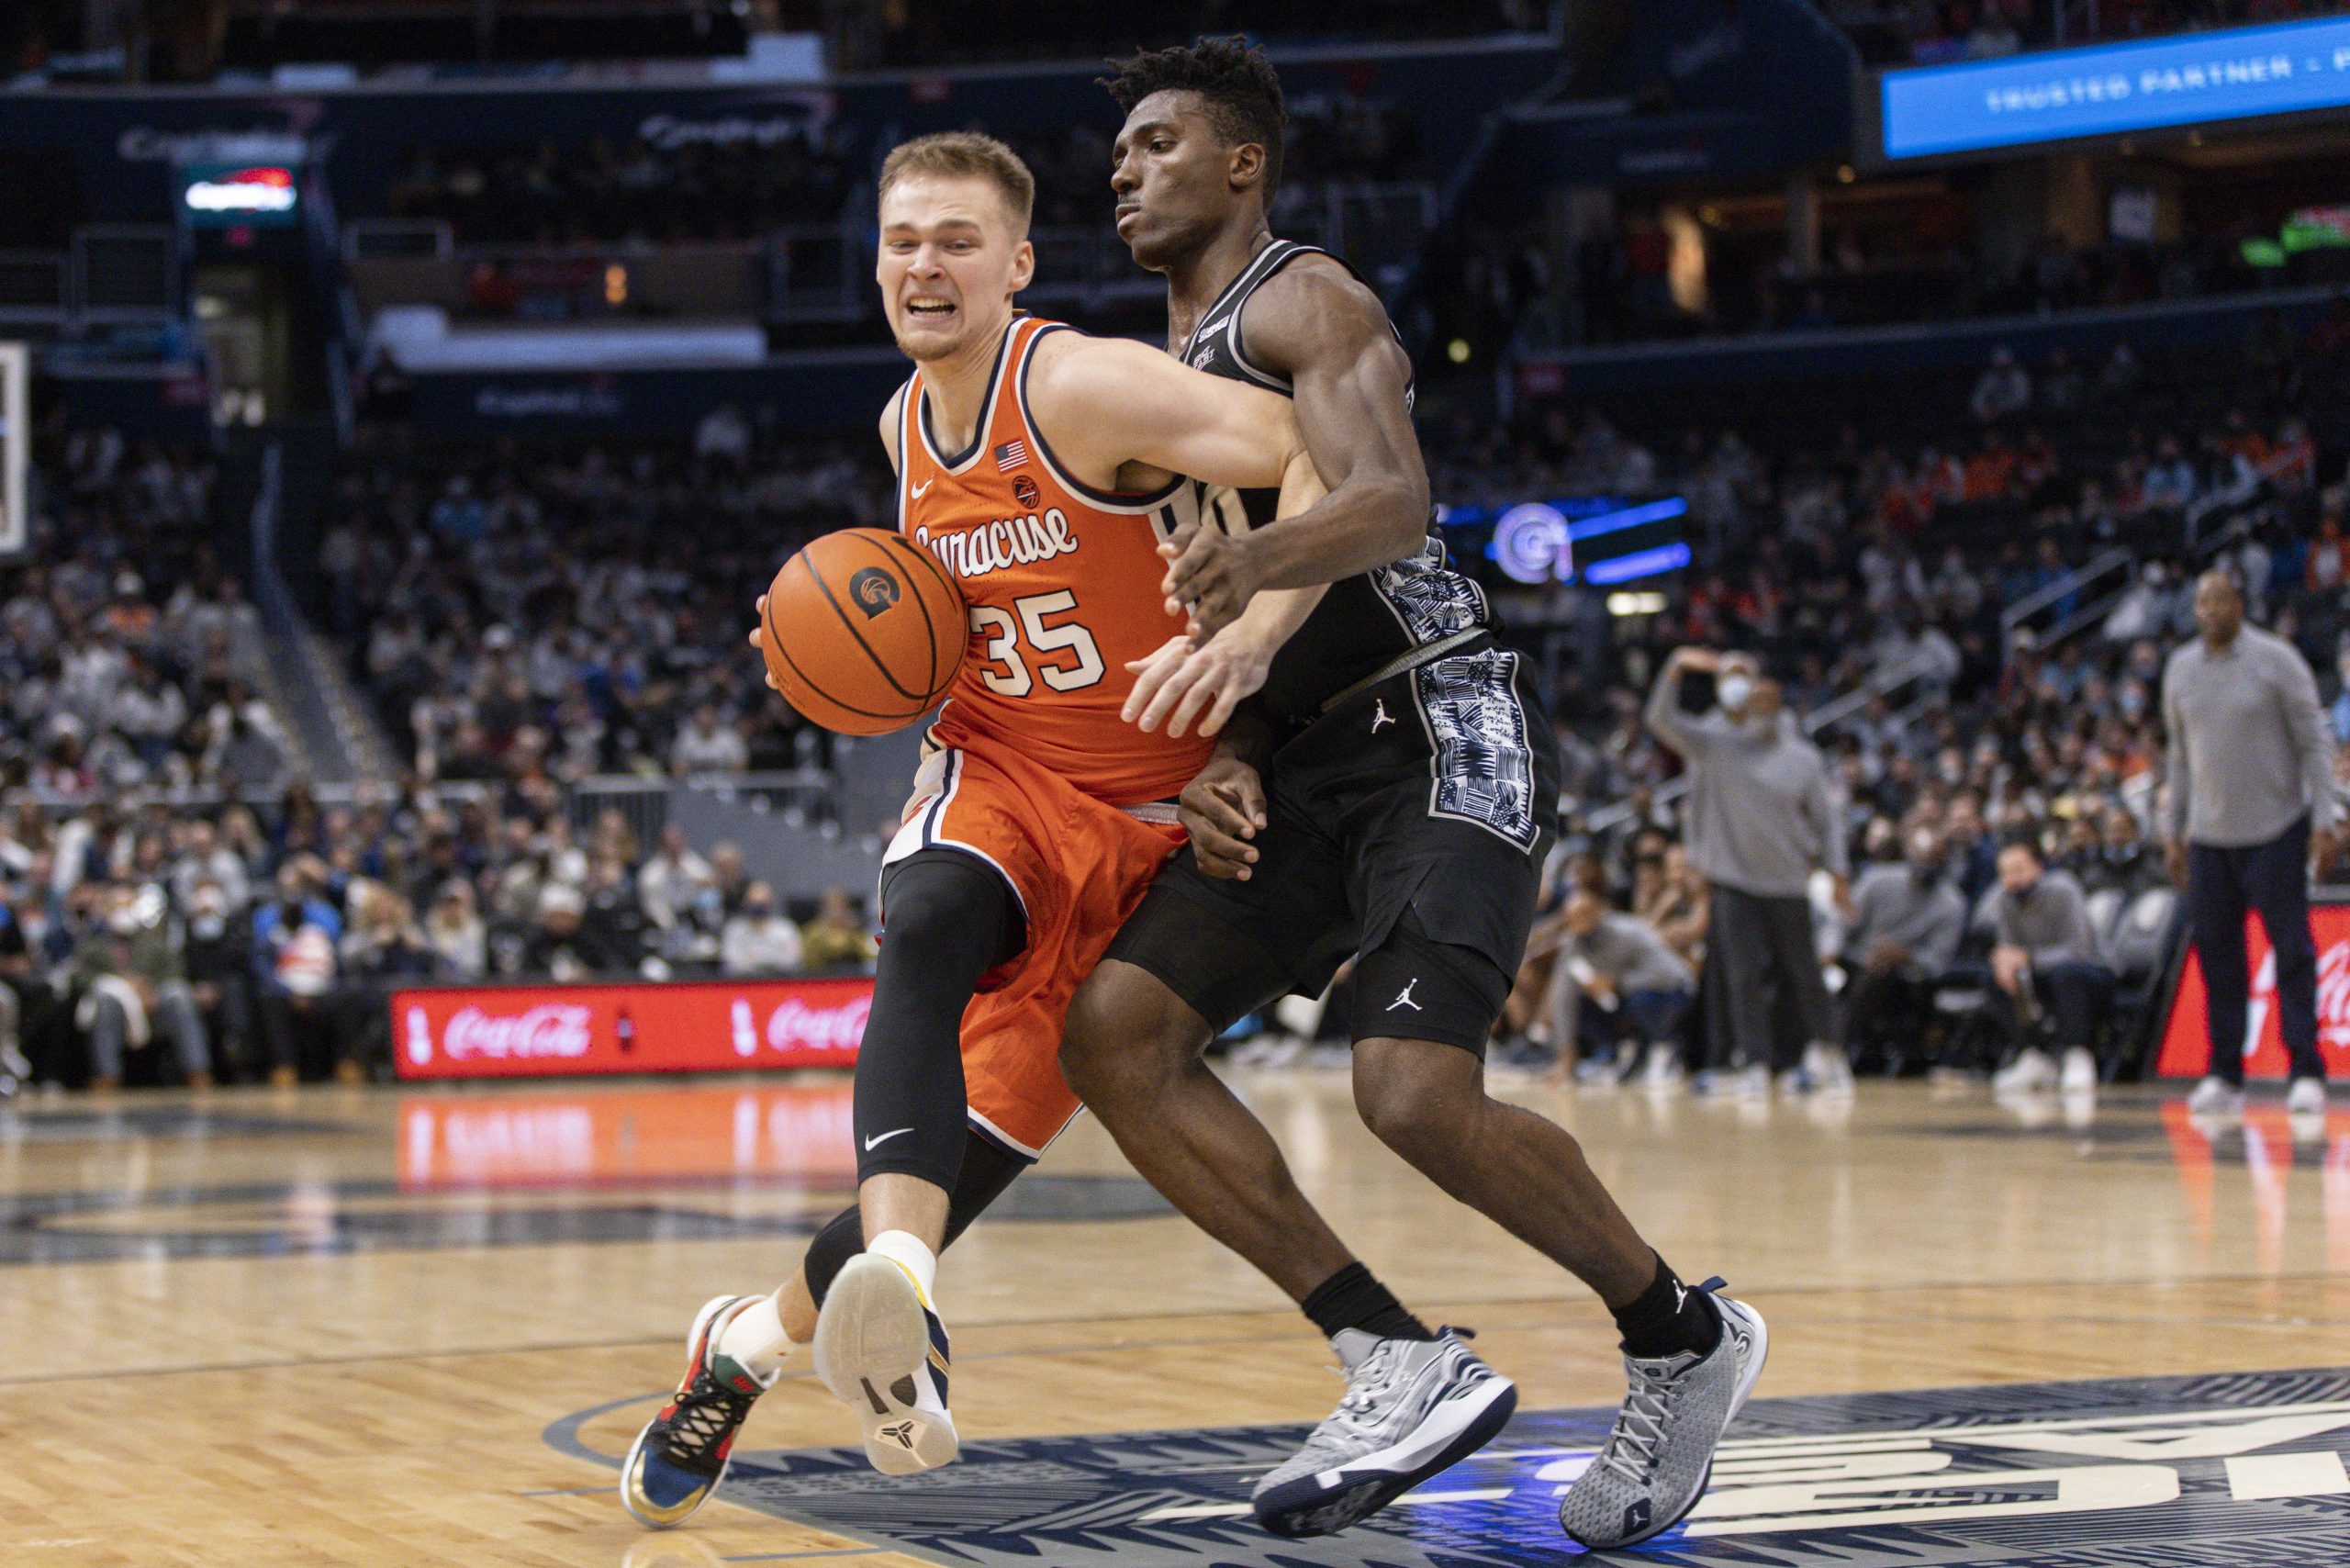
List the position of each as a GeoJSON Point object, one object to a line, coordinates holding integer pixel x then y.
{"type": "Point", "coordinates": [862, 631]}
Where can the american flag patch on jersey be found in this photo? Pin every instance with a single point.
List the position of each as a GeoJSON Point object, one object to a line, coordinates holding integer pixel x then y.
{"type": "Point", "coordinates": [1010, 456]}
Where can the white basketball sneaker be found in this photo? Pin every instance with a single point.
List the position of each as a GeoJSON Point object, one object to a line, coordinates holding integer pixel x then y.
{"type": "Point", "coordinates": [2306, 1097]}
{"type": "Point", "coordinates": [882, 1350]}
{"type": "Point", "coordinates": [1413, 1407]}
{"type": "Point", "coordinates": [2080, 1074]}
{"type": "Point", "coordinates": [2032, 1072]}
{"type": "Point", "coordinates": [2216, 1097]}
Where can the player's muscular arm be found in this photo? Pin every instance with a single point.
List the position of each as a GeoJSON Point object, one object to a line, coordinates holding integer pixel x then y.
{"type": "Point", "coordinates": [1107, 404]}
{"type": "Point", "coordinates": [1326, 331]}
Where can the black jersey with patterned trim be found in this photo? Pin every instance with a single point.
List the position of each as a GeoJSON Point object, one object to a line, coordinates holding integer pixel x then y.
{"type": "Point", "coordinates": [1363, 621]}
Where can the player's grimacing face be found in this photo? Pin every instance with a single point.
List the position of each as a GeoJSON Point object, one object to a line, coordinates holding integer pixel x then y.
{"type": "Point", "coordinates": [1172, 176]}
{"type": "Point", "coordinates": [950, 261]}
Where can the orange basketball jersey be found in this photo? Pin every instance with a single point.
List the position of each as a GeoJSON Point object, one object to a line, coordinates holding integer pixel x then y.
{"type": "Point", "coordinates": [1063, 582]}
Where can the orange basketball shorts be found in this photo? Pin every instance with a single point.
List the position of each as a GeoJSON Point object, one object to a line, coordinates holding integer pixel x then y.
{"type": "Point", "coordinates": [1078, 868]}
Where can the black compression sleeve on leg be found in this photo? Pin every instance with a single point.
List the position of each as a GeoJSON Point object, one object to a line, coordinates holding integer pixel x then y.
{"type": "Point", "coordinates": [950, 918]}
{"type": "Point", "coordinates": [987, 1171]}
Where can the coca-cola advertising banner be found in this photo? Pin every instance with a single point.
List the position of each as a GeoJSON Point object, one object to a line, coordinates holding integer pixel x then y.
{"type": "Point", "coordinates": [689, 1026]}
{"type": "Point", "coordinates": [2185, 1051]}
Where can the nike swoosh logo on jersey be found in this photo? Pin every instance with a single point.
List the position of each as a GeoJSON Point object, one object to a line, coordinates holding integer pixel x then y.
{"type": "Point", "coordinates": [925, 485]}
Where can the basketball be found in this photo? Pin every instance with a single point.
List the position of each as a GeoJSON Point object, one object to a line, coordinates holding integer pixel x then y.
{"type": "Point", "coordinates": [862, 631]}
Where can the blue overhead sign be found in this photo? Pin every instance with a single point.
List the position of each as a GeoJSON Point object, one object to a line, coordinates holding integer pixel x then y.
{"type": "Point", "coordinates": [2115, 89]}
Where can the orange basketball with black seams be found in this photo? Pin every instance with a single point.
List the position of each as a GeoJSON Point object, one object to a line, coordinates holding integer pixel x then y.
{"type": "Point", "coordinates": [862, 631]}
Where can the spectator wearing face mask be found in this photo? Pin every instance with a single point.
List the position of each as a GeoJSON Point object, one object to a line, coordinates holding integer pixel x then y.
{"type": "Point", "coordinates": [1761, 819]}
{"type": "Point", "coordinates": [218, 958]}
{"type": "Point", "coordinates": [1908, 922]}
{"type": "Point", "coordinates": [758, 939]}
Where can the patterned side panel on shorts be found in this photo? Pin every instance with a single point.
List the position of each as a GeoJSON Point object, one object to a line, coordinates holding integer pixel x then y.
{"type": "Point", "coordinates": [1431, 599]}
{"type": "Point", "coordinates": [1484, 760]}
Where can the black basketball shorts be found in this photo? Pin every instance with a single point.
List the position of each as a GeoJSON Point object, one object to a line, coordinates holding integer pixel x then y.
{"type": "Point", "coordinates": [1406, 828]}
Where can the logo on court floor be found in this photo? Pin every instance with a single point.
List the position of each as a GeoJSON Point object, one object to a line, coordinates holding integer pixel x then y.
{"type": "Point", "coordinates": [2244, 1470]}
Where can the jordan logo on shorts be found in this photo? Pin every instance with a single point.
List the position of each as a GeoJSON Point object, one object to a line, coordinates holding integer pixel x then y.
{"type": "Point", "coordinates": [1380, 717]}
{"type": "Point", "coordinates": [1404, 998]}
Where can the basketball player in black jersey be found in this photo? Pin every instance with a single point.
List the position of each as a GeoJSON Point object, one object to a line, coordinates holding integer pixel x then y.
{"type": "Point", "coordinates": [1388, 794]}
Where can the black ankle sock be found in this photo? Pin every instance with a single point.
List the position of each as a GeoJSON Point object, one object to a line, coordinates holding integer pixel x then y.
{"type": "Point", "coordinates": [1668, 1318]}
{"type": "Point", "coordinates": [1352, 1299]}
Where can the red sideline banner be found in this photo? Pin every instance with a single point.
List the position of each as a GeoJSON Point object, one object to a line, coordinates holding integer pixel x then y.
{"type": "Point", "coordinates": [2185, 1050]}
{"type": "Point", "coordinates": [509, 1031]}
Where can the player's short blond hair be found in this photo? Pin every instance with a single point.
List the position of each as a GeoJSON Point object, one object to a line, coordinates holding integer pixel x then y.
{"type": "Point", "coordinates": [967, 154]}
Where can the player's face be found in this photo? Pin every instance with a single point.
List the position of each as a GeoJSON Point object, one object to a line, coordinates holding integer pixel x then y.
{"type": "Point", "coordinates": [1173, 176]}
{"type": "Point", "coordinates": [951, 260]}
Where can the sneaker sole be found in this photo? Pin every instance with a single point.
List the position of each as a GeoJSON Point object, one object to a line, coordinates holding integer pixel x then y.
{"type": "Point", "coordinates": [1740, 1394]}
{"type": "Point", "coordinates": [1310, 1506]}
{"type": "Point", "coordinates": [871, 1336]}
{"type": "Point", "coordinates": [710, 1309]}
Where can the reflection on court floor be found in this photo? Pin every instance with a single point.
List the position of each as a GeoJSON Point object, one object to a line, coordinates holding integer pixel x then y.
{"type": "Point", "coordinates": [585, 1166]}
{"type": "Point", "coordinates": [2238, 1470]}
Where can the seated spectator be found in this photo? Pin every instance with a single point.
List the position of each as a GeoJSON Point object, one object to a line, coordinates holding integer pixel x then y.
{"type": "Point", "coordinates": [296, 934]}
{"type": "Point", "coordinates": [836, 938]}
{"type": "Point", "coordinates": [669, 882]}
{"type": "Point", "coordinates": [2048, 970]}
{"type": "Point", "coordinates": [1907, 921]}
{"type": "Point", "coordinates": [453, 928]}
{"type": "Point", "coordinates": [382, 952]}
{"type": "Point", "coordinates": [2003, 389]}
{"type": "Point", "coordinates": [564, 947]}
{"type": "Point", "coordinates": [707, 745]}
{"type": "Point", "coordinates": [134, 988]}
{"type": "Point", "coordinates": [1639, 989]}
{"type": "Point", "coordinates": [218, 955]}
{"type": "Point", "coordinates": [758, 940]}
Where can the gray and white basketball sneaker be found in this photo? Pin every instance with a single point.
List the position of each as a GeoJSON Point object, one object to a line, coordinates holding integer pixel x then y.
{"type": "Point", "coordinates": [1660, 1454]}
{"type": "Point", "coordinates": [1412, 1407]}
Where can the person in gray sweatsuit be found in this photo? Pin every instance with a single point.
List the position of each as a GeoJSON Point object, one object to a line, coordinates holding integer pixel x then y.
{"type": "Point", "coordinates": [1759, 820]}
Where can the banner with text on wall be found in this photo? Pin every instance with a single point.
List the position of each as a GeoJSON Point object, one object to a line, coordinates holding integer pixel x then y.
{"type": "Point", "coordinates": [2183, 1050]}
{"type": "Point", "coordinates": [508, 1031]}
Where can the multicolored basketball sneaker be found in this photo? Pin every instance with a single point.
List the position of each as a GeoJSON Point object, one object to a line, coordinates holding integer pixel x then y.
{"type": "Point", "coordinates": [882, 1350]}
{"type": "Point", "coordinates": [1413, 1407]}
{"type": "Point", "coordinates": [682, 1454]}
{"type": "Point", "coordinates": [1660, 1453]}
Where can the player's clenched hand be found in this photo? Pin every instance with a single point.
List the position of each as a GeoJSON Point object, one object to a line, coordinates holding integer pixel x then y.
{"type": "Point", "coordinates": [1211, 577]}
{"type": "Point", "coordinates": [1221, 808]}
{"type": "Point", "coordinates": [754, 640]}
{"type": "Point", "coordinates": [1181, 683]}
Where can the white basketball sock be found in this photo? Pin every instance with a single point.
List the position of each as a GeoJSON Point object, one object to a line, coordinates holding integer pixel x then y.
{"type": "Point", "coordinates": [903, 1247]}
{"type": "Point", "coordinates": [755, 1340]}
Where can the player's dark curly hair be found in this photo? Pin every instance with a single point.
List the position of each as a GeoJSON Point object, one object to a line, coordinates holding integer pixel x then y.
{"type": "Point", "coordinates": [1230, 74]}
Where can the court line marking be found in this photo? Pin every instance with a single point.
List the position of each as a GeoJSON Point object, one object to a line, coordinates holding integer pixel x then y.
{"type": "Point", "coordinates": [1303, 1332]}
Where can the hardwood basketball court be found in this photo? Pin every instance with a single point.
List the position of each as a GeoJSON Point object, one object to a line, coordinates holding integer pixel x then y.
{"type": "Point", "coordinates": [361, 1326]}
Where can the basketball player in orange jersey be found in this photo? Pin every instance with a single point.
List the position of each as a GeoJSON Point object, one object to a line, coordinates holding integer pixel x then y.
{"type": "Point", "coordinates": [1038, 466]}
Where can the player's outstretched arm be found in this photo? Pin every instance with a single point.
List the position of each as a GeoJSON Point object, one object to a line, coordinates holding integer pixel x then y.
{"type": "Point", "coordinates": [1352, 381]}
{"type": "Point", "coordinates": [1107, 404]}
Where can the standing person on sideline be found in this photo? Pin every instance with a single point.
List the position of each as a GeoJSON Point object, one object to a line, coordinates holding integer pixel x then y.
{"type": "Point", "coordinates": [2253, 807]}
{"type": "Point", "coordinates": [1760, 821]}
